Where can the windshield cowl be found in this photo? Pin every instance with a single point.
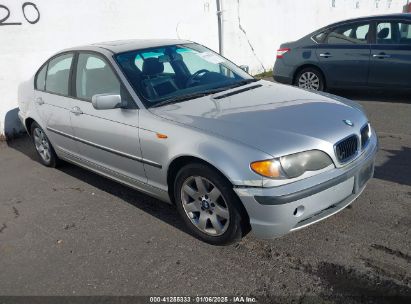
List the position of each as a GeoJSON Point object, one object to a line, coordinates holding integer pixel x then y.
{"type": "Point", "coordinates": [202, 94]}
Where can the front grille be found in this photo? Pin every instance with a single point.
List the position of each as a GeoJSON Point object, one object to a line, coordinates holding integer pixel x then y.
{"type": "Point", "coordinates": [347, 148]}
{"type": "Point", "coordinates": [365, 136]}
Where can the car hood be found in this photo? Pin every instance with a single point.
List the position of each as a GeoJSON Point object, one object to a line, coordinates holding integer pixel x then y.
{"type": "Point", "coordinates": [273, 118]}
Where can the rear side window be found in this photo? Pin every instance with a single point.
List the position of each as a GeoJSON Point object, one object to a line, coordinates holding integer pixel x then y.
{"type": "Point", "coordinates": [41, 78]}
{"type": "Point", "coordinates": [394, 33]}
{"type": "Point", "coordinates": [58, 74]}
{"type": "Point", "coordinates": [354, 33]}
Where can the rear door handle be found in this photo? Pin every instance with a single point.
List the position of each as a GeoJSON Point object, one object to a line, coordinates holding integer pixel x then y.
{"type": "Point", "coordinates": [381, 56]}
{"type": "Point", "coordinates": [76, 110]}
{"type": "Point", "coordinates": [39, 101]}
{"type": "Point", "coordinates": [325, 55]}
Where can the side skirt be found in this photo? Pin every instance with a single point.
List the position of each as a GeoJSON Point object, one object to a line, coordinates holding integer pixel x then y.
{"type": "Point", "coordinates": [114, 175]}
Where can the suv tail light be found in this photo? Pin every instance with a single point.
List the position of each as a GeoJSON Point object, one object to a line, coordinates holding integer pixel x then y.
{"type": "Point", "coordinates": [282, 52]}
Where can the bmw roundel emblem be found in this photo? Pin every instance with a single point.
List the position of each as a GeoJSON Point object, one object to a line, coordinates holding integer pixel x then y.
{"type": "Point", "coordinates": [348, 122]}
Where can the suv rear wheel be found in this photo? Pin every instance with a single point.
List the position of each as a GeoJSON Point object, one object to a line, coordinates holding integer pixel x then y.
{"type": "Point", "coordinates": [310, 79]}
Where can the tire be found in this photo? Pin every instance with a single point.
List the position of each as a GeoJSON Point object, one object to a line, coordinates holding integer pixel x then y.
{"type": "Point", "coordinates": [45, 151]}
{"type": "Point", "coordinates": [212, 202]}
{"type": "Point", "coordinates": [310, 79]}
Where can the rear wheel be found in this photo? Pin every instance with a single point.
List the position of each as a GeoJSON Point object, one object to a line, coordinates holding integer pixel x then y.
{"type": "Point", "coordinates": [310, 79]}
{"type": "Point", "coordinates": [208, 205]}
{"type": "Point", "coordinates": [43, 146]}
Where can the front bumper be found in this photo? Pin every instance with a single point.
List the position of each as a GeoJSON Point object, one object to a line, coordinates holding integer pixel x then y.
{"type": "Point", "coordinates": [276, 211]}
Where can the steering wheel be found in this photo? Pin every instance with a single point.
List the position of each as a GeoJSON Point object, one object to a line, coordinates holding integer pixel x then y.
{"type": "Point", "coordinates": [196, 77]}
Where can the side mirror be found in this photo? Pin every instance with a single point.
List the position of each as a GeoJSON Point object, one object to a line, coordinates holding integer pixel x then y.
{"type": "Point", "coordinates": [106, 101]}
{"type": "Point", "coordinates": [245, 68]}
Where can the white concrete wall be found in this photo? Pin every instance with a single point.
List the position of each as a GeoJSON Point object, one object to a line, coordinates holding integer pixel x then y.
{"type": "Point", "coordinates": [67, 23]}
{"type": "Point", "coordinates": [253, 30]}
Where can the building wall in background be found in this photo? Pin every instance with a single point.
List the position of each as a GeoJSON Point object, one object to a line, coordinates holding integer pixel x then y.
{"type": "Point", "coordinates": [67, 23]}
{"type": "Point", "coordinates": [253, 30]}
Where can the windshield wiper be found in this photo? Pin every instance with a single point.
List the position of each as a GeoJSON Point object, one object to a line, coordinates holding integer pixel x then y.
{"type": "Point", "coordinates": [240, 83]}
{"type": "Point", "coordinates": [185, 97]}
{"type": "Point", "coordinates": [202, 93]}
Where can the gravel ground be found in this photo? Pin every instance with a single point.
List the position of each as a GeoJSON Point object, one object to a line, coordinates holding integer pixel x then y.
{"type": "Point", "coordinates": [67, 231]}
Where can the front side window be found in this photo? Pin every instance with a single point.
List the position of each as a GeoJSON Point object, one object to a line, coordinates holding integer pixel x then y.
{"type": "Point", "coordinates": [95, 76]}
{"type": "Point", "coordinates": [355, 33]}
{"type": "Point", "coordinates": [178, 71]}
{"type": "Point", "coordinates": [58, 74]}
{"type": "Point", "coordinates": [394, 33]}
{"type": "Point", "coordinates": [41, 78]}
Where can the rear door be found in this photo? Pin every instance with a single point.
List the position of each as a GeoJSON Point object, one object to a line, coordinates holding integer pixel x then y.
{"type": "Point", "coordinates": [344, 55]}
{"type": "Point", "coordinates": [391, 55]}
{"type": "Point", "coordinates": [53, 103]}
{"type": "Point", "coordinates": [108, 140]}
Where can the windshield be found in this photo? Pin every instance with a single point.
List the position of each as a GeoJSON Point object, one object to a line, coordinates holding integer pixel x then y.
{"type": "Point", "coordinates": [171, 73]}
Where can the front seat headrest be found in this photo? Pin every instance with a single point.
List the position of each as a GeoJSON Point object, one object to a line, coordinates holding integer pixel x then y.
{"type": "Point", "coordinates": [153, 66]}
{"type": "Point", "coordinates": [383, 33]}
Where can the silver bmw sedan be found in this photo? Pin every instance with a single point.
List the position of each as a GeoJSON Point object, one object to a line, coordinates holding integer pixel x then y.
{"type": "Point", "coordinates": [179, 122]}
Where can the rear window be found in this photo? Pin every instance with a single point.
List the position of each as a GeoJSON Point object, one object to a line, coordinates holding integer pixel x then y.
{"type": "Point", "coordinates": [354, 33]}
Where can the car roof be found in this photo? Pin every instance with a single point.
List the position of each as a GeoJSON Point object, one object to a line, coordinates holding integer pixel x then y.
{"type": "Point", "coordinates": [120, 46]}
{"type": "Point", "coordinates": [374, 17]}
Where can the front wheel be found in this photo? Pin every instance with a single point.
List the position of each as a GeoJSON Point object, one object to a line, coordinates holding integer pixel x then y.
{"type": "Point", "coordinates": [310, 79]}
{"type": "Point", "coordinates": [208, 205]}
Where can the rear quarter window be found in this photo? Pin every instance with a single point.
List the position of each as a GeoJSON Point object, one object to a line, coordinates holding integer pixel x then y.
{"type": "Point", "coordinates": [319, 38]}
{"type": "Point", "coordinates": [40, 81]}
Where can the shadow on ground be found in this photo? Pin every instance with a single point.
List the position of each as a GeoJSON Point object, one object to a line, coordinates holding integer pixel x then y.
{"type": "Point", "coordinates": [12, 125]}
{"type": "Point", "coordinates": [375, 95]}
{"type": "Point", "coordinates": [398, 167]}
{"type": "Point", "coordinates": [163, 211]}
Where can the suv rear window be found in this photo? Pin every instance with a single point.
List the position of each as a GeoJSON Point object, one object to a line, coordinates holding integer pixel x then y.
{"type": "Point", "coordinates": [354, 33]}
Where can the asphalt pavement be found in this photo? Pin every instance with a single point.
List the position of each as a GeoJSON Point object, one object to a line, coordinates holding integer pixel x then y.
{"type": "Point", "coordinates": [68, 231]}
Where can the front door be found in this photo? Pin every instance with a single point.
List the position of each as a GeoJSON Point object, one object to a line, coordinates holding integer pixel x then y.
{"type": "Point", "coordinates": [107, 139]}
{"type": "Point", "coordinates": [344, 55]}
{"type": "Point", "coordinates": [391, 55]}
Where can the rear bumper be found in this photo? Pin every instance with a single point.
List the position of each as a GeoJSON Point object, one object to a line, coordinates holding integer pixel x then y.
{"type": "Point", "coordinates": [276, 211]}
{"type": "Point", "coordinates": [282, 73]}
{"type": "Point", "coordinates": [22, 119]}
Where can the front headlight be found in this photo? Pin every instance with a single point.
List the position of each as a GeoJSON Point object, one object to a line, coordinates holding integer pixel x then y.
{"type": "Point", "coordinates": [292, 166]}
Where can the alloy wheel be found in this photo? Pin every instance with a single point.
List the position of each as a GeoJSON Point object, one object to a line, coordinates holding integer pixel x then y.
{"type": "Point", "coordinates": [309, 81]}
{"type": "Point", "coordinates": [42, 144]}
{"type": "Point", "coordinates": [205, 206]}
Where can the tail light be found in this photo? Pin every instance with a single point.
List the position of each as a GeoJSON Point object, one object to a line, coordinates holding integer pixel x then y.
{"type": "Point", "coordinates": [282, 52]}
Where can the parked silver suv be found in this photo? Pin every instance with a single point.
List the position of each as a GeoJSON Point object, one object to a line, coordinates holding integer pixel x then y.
{"type": "Point", "coordinates": [177, 121]}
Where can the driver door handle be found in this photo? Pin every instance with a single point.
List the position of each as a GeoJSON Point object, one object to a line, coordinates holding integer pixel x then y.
{"type": "Point", "coordinates": [76, 111]}
{"type": "Point", "coordinates": [381, 56]}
